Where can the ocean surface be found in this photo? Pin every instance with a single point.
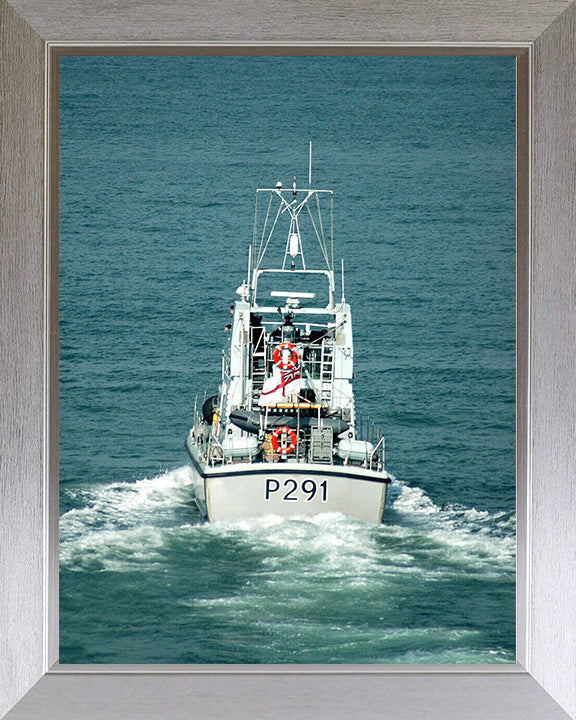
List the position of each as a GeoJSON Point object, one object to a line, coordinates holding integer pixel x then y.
{"type": "Point", "coordinates": [159, 161]}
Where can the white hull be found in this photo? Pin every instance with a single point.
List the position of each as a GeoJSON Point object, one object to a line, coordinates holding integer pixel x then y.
{"type": "Point", "coordinates": [242, 490]}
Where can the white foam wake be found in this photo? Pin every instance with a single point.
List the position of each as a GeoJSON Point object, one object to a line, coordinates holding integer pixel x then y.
{"type": "Point", "coordinates": [121, 525]}
{"type": "Point", "coordinates": [124, 525]}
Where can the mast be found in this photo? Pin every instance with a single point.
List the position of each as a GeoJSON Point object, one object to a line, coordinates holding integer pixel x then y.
{"type": "Point", "coordinates": [249, 280]}
{"type": "Point", "coordinates": [297, 211]}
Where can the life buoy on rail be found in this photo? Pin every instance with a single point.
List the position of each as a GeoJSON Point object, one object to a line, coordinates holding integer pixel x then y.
{"type": "Point", "coordinates": [285, 356]}
{"type": "Point", "coordinates": [284, 440]}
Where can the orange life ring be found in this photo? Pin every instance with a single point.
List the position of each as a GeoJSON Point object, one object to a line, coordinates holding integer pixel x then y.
{"type": "Point", "coordinates": [279, 445]}
{"type": "Point", "coordinates": [278, 356]}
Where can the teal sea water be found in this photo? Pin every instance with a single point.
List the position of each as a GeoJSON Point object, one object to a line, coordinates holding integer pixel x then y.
{"type": "Point", "coordinates": [159, 160]}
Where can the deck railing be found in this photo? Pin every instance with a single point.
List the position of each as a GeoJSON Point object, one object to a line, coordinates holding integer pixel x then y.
{"type": "Point", "coordinates": [212, 450]}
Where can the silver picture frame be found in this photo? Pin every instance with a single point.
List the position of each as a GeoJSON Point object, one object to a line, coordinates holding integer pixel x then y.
{"type": "Point", "coordinates": [543, 682]}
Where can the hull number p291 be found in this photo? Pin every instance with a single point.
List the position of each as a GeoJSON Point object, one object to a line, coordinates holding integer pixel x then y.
{"type": "Point", "coordinates": [293, 490]}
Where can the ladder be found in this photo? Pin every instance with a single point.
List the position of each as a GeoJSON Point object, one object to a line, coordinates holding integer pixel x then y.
{"type": "Point", "coordinates": [258, 364]}
{"type": "Point", "coordinates": [326, 372]}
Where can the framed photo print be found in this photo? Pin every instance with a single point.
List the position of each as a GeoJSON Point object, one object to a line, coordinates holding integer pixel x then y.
{"type": "Point", "coordinates": [346, 490]}
{"type": "Point", "coordinates": [289, 367]}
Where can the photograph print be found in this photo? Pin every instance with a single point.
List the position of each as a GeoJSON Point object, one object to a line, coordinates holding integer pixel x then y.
{"type": "Point", "coordinates": [287, 349]}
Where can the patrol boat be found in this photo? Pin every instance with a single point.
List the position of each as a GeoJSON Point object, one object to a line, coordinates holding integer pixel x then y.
{"type": "Point", "coordinates": [282, 435]}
